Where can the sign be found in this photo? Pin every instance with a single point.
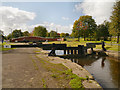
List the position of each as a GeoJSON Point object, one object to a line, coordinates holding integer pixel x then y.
{"type": "Point", "coordinates": [7, 46]}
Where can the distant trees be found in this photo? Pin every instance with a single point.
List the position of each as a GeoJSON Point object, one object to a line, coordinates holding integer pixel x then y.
{"type": "Point", "coordinates": [9, 36]}
{"type": "Point", "coordinates": [17, 33]}
{"type": "Point", "coordinates": [40, 31]}
{"type": "Point", "coordinates": [67, 34]}
{"type": "Point", "coordinates": [64, 35]}
{"type": "Point", "coordinates": [26, 33]}
{"type": "Point", "coordinates": [85, 26]}
{"type": "Point", "coordinates": [53, 34]}
{"type": "Point", "coordinates": [102, 31]}
{"type": "Point", "coordinates": [114, 28]}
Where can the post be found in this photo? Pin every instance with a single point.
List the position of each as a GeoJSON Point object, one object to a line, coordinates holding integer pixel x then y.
{"type": "Point", "coordinates": [80, 49]}
{"type": "Point", "coordinates": [68, 51]}
{"type": "Point", "coordinates": [52, 53]}
{"type": "Point", "coordinates": [64, 51]}
{"type": "Point", "coordinates": [71, 51]}
{"type": "Point", "coordinates": [74, 51]}
{"type": "Point", "coordinates": [92, 50]}
{"type": "Point", "coordinates": [103, 48]}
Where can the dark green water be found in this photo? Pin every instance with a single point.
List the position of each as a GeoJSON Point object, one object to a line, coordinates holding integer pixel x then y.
{"type": "Point", "coordinates": [106, 71]}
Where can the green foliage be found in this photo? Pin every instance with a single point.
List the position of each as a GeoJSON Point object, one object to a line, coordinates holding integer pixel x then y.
{"type": "Point", "coordinates": [26, 33]}
{"type": "Point", "coordinates": [40, 31]}
{"type": "Point", "coordinates": [9, 36]}
{"type": "Point", "coordinates": [76, 83]}
{"type": "Point", "coordinates": [85, 26]}
{"type": "Point", "coordinates": [44, 85]}
{"type": "Point", "coordinates": [62, 35]}
{"type": "Point", "coordinates": [90, 81]}
{"type": "Point", "coordinates": [17, 33]}
{"type": "Point", "coordinates": [67, 34]}
{"type": "Point", "coordinates": [68, 72]}
{"type": "Point", "coordinates": [114, 28]}
{"type": "Point", "coordinates": [53, 34]}
{"type": "Point", "coordinates": [102, 31]}
{"type": "Point", "coordinates": [35, 65]}
{"type": "Point", "coordinates": [48, 34]}
{"type": "Point", "coordinates": [54, 75]}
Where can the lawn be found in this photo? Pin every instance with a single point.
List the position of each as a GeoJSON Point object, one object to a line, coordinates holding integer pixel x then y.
{"type": "Point", "coordinates": [73, 42]}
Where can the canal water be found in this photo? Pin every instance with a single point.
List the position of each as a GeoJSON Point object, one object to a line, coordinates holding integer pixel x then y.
{"type": "Point", "coordinates": [106, 71]}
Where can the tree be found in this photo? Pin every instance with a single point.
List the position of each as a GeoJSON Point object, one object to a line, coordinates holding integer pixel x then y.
{"type": "Point", "coordinates": [31, 34]}
{"type": "Point", "coordinates": [102, 31]}
{"type": "Point", "coordinates": [40, 31]}
{"type": "Point", "coordinates": [48, 34]}
{"type": "Point", "coordinates": [114, 28]}
{"type": "Point", "coordinates": [9, 36]}
{"type": "Point", "coordinates": [62, 35]}
{"type": "Point", "coordinates": [26, 33]}
{"type": "Point", "coordinates": [53, 34]}
{"type": "Point", "coordinates": [17, 33]}
{"type": "Point", "coordinates": [85, 26]}
{"type": "Point", "coordinates": [67, 34]}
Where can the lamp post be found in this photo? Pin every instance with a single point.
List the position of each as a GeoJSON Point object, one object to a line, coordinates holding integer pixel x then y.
{"type": "Point", "coordinates": [11, 32]}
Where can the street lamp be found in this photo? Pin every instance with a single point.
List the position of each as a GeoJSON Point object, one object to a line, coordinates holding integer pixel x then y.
{"type": "Point", "coordinates": [11, 32]}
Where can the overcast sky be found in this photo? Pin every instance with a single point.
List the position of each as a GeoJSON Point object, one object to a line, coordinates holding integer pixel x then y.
{"type": "Point", "coordinates": [58, 16]}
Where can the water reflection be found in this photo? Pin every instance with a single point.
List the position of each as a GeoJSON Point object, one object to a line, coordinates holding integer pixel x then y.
{"type": "Point", "coordinates": [105, 70]}
{"type": "Point", "coordinates": [115, 72]}
{"type": "Point", "coordinates": [103, 63]}
{"type": "Point", "coordinates": [84, 61]}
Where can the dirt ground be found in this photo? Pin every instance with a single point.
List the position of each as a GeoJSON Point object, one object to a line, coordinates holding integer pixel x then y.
{"type": "Point", "coordinates": [21, 68]}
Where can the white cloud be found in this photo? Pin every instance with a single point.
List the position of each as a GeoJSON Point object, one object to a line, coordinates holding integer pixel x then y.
{"type": "Point", "coordinates": [99, 9]}
{"type": "Point", "coordinates": [14, 18]}
{"type": "Point", "coordinates": [55, 27]}
{"type": "Point", "coordinates": [65, 18]}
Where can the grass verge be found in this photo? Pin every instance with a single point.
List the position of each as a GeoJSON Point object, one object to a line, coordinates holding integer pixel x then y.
{"type": "Point", "coordinates": [62, 74]}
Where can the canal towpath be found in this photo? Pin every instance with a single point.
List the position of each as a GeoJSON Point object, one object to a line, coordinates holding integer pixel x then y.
{"type": "Point", "coordinates": [26, 68]}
